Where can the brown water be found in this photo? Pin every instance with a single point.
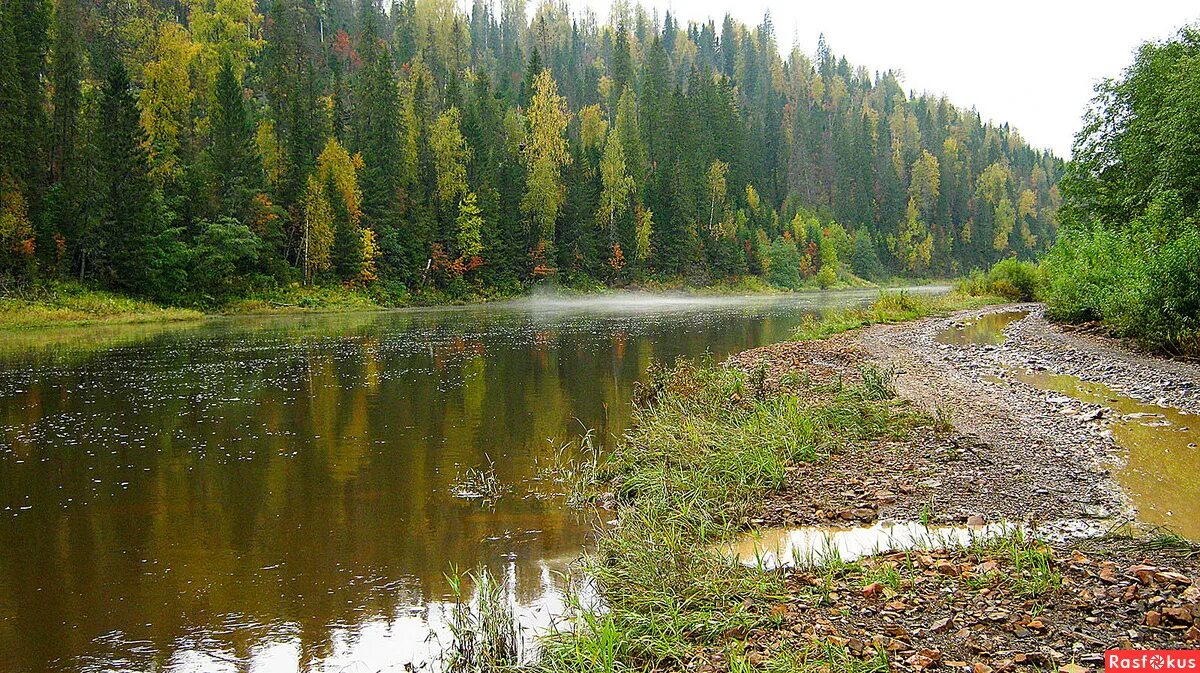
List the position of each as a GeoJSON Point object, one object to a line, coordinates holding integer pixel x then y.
{"type": "Point", "coordinates": [1163, 444]}
{"type": "Point", "coordinates": [279, 494]}
{"type": "Point", "coordinates": [986, 329]}
{"type": "Point", "coordinates": [1162, 471]}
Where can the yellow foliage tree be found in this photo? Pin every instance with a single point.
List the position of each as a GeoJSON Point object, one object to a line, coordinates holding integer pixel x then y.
{"type": "Point", "coordinates": [451, 153]}
{"type": "Point", "coordinates": [545, 155]}
{"type": "Point", "coordinates": [338, 170]}
{"type": "Point", "coordinates": [166, 100]}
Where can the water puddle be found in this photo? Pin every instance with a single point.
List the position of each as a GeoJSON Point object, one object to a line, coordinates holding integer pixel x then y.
{"type": "Point", "coordinates": [1163, 444]}
{"type": "Point", "coordinates": [987, 329]}
{"type": "Point", "coordinates": [812, 545]}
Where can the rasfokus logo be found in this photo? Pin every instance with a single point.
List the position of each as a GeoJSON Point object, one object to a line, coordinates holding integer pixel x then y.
{"type": "Point", "coordinates": [1152, 661]}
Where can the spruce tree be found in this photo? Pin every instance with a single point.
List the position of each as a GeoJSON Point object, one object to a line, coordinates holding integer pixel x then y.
{"type": "Point", "coordinates": [346, 254]}
{"type": "Point", "coordinates": [236, 171]}
{"type": "Point", "coordinates": [375, 125]}
{"type": "Point", "coordinates": [121, 252]}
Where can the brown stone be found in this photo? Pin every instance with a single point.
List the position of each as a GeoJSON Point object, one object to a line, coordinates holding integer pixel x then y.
{"type": "Point", "coordinates": [1179, 615]}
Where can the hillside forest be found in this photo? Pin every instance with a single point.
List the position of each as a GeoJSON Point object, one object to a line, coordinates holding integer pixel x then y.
{"type": "Point", "coordinates": [190, 151]}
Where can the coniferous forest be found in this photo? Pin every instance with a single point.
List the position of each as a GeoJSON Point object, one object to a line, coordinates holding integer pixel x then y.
{"type": "Point", "coordinates": [193, 151]}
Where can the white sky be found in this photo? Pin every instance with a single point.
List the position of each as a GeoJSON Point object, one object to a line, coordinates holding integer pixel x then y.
{"type": "Point", "coordinates": [1032, 63]}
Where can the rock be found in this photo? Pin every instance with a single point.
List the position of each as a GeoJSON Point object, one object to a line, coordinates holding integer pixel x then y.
{"type": "Point", "coordinates": [1144, 573]}
{"type": "Point", "coordinates": [1071, 668]}
{"type": "Point", "coordinates": [872, 590]}
{"type": "Point", "coordinates": [1179, 615]}
{"type": "Point", "coordinates": [976, 520]}
{"type": "Point", "coordinates": [1108, 572]}
{"type": "Point", "coordinates": [986, 567]}
{"type": "Point", "coordinates": [941, 625]}
{"type": "Point", "coordinates": [1170, 576]}
{"type": "Point", "coordinates": [926, 658]}
{"type": "Point", "coordinates": [947, 568]}
{"type": "Point", "coordinates": [1152, 618]}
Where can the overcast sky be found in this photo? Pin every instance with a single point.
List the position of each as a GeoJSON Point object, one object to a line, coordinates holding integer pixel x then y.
{"type": "Point", "coordinates": [1032, 63]}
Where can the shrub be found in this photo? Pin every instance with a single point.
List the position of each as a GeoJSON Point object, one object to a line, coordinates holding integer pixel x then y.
{"type": "Point", "coordinates": [1139, 283]}
{"type": "Point", "coordinates": [1009, 278]}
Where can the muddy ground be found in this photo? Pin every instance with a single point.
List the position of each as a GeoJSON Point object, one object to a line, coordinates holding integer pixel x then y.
{"type": "Point", "coordinates": [1003, 451]}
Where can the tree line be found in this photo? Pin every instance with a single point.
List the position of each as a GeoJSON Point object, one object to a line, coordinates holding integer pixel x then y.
{"type": "Point", "coordinates": [192, 150]}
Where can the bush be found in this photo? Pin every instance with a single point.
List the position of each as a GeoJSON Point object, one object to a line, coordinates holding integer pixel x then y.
{"type": "Point", "coordinates": [826, 276]}
{"type": "Point", "coordinates": [1009, 278]}
{"type": "Point", "coordinates": [1138, 283]}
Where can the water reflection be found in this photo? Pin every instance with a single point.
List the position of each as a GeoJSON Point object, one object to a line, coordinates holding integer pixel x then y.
{"type": "Point", "coordinates": [277, 494]}
{"type": "Point", "coordinates": [817, 545]}
{"type": "Point", "coordinates": [1163, 459]}
{"type": "Point", "coordinates": [983, 330]}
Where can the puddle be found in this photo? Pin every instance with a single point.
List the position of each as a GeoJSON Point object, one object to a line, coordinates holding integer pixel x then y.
{"type": "Point", "coordinates": [1163, 444]}
{"type": "Point", "coordinates": [808, 545]}
{"type": "Point", "coordinates": [983, 330]}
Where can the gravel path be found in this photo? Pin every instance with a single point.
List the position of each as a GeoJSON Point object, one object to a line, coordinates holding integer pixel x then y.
{"type": "Point", "coordinates": [1052, 452]}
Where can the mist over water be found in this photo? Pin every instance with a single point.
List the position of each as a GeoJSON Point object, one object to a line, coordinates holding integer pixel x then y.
{"type": "Point", "coordinates": [282, 493]}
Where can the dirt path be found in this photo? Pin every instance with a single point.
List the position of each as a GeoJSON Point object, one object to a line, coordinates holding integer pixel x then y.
{"type": "Point", "coordinates": [1053, 452]}
{"type": "Point", "coordinates": [1016, 453]}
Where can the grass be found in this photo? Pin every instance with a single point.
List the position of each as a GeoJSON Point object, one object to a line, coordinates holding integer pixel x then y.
{"type": "Point", "coordinates": [483, 629]}
{"type": "Point", "coordinates": [1032, 573]}
{"type": "Point", "coordinates": [823, 658]}
{"type": "Point", "coordinates": [70, 304]}
{"type": "Point", "coordinates": [296, 298]}
{"type": "Point", "coordinates": [1165, 539]}
{"type": "Point", "coordinates": [890, 307]}
{"type": "Point", "coordinates": [480, 483]}
{"type": "Point", "coordinates": [704, 448]}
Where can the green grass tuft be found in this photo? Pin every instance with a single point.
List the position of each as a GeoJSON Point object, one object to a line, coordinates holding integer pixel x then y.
{"type": "Point", "coordinates": [890, 307]}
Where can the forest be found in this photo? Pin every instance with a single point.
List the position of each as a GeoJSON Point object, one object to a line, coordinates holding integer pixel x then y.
{"type": "Point", "coordinates": [193, 151]}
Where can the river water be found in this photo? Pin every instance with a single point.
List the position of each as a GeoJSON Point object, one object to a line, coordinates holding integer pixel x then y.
{"type": "Point", "coordinates": [286, 494]}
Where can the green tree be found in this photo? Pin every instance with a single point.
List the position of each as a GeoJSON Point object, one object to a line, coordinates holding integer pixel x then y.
{"type": "Point", "coordinates": [470, 228]}
{"type": "Point", "coordinates": [232, 154]}
{"type": "Point", "coordinates": [618, 186]}
{"type": "Point", "coordinates": [545, 156]}
{"type": "Point", "coordinates": [130, 248]}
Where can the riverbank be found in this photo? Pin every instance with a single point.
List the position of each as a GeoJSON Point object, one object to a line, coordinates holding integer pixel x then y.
{"type": "Point", "coordinates": [67, 304]}
{"type": "Point", "coordinates": [898, 422]}
{"type": "Point", "coordinates": [72, 305]}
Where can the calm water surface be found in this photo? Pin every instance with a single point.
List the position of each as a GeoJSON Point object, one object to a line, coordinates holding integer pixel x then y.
{"type": "Point", "coordinates": [281, 494]}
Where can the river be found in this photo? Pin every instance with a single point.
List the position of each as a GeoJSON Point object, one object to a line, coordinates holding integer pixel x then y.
{"type": "Point", "coordinates": [286, 494]}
